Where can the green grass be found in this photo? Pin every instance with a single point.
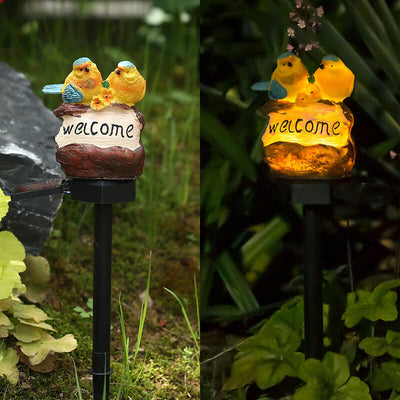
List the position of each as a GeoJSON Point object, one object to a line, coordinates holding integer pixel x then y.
{"type": "Point", "coordinates": [164, 219]}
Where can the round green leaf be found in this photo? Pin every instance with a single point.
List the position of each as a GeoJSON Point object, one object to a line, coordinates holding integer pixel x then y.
{"type": "Point", "coordinates": [26, 333]}
{"type": "Point", "coordinates": [36, 278]}
{"type": "Point", "coordinates": [8, 364]}
{"type": "Point", "coordinates": [393, 343]}
{"type": "Point", "coordinates": [374, 346]}
{"type": "Point", "coordinates": [37, 351]}
{"type": "Point", "coordinates": [4, 200]}
{"type": "Point", "coordinates": [30, 312]}
{"type": "Point", "coordinates": [12, 252]}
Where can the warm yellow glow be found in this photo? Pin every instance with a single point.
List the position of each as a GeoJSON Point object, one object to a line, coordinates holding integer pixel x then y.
{"type": "Point", "coordinates": [309, 129]}
{"type": "Point", "coordinates": [312, 141]}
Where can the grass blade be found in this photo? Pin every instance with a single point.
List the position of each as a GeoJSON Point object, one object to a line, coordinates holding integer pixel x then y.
{"type": "Point", "coordinates": [235, 283]}
{"type": "Point", "coordinates": [390, 23]}
{"type": "Point", "coordinates": [363, 73]}
{"type": "Point", "coordinates": [187, 321]}
{"type": "Point", "coordinates": [387, 60]}
{"type": "Point", "coordinates": [226, 144]}
{"type": "Point", "coordinates": [265, 240]}
{"type": "Point", "coordinates": [78, 386]}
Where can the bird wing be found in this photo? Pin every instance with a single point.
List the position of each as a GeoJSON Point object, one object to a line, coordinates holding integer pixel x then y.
{"type": "Point", "coordinates": [276, 90]}
{"type": "Point", "coordinates": [71, 94]}
{"type": "Point", "coordinates": [260, 86]}
{"type": "Point", "coordinates": [56, 88]}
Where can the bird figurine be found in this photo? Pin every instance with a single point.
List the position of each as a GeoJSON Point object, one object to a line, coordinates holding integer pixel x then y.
{"type": "Point", "coordinates": [127, 84]}
{"type": "Point", "coordinates": [334, 80]}
{"type": "Point", "coordinates": [81, 85]}
{"type": "Point", "coordinates": [308, 95]}
{"type": "Point", "coordinates": [288, 79]}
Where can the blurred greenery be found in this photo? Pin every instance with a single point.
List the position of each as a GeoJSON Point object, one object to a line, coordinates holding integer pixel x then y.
{"type": "Point", "coordinates": [165, 216]}
{"type": "Point", "coordinates": [240, 42]}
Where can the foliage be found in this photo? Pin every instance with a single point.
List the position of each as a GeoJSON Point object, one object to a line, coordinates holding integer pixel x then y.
{"type": "Point", "coordinates": [240, 198]}
{"type": "Point", "coordinates": [272, 354]}
{"type": "Point", "coordinates": [82, 312]}
{"type": "Point", "coordinates": [36, 278]}
{"type": "Point", "coordinates": [25, 322]}
{"type": "Point", "coordinates": [330, 379]}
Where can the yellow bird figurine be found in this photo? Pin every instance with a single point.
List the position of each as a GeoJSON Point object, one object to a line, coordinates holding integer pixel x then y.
{"type": "Point", "coordinates": [309, 94]}
{"type": "Point", "coordinates": [81, 85]}
{"type": "Point", "coordinates": [288, 79]}
{"type": "Point", "coordinates": [334, 80]}
{"type": "Point", "coordinates": [127, 84]}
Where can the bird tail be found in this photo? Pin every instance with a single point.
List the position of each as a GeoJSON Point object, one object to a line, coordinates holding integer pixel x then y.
{"type": "Point", "coordinates": [56, 88]}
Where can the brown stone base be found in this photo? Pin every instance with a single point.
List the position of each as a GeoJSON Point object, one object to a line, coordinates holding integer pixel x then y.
{"type": "Point", "coordinates": [92, 162]}
{"type": "Point", "coordinates": [292, 160]}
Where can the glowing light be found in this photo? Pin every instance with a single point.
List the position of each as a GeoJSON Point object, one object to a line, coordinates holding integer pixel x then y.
{"type": "Point", "coordinates": [309, 132]}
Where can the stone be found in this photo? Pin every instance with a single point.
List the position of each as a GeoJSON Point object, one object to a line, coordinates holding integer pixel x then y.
{"type": "Point", "coordinates": [27, 155]}
{"type": "Point", "coordinates": [100, 144]}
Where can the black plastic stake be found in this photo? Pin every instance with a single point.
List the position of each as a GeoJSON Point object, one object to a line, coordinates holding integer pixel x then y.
{"type": "Point", "coordinates": [312, 282]}
{"type": "Point", "coordinates": [313, 196]}
{"type": "Point", "coordinates": [102, 301]}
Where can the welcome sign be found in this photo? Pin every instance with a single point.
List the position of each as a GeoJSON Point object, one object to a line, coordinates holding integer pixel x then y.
{"type": "Point", "coordinates": [320, 124]}
{"type": "Point", "coordinates": [109, 127]}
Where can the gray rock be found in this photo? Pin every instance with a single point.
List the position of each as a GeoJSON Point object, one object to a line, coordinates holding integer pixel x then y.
{"type": "Point", "coordinates": [27, 155]}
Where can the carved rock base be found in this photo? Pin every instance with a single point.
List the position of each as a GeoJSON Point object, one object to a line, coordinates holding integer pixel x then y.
{"type": "Point", "coordinates": [101, 144]}
{"type": "Point", "coordinates": [91, 162]}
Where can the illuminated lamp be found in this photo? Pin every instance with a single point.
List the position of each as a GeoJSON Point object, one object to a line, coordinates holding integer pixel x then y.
{"type": "Point", "coordinates": [308, 134]}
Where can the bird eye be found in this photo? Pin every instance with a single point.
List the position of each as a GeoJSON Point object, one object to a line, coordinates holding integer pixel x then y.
{"type": "Point", "coordinates": [127, 71]}
{"type": "Point", "coordinates": [117, 71]}
{"type": "Point", "coordinates": [290, 64]}
{"type": "Point", "coordinates": [331, 65]}
{"type": "Point", "coordinates": [322, 66]}
{"type": "Point", "coordinates": [87, 69]}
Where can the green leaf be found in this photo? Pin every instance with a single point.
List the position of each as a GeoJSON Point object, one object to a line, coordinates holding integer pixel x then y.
{"type": "Point", "coordinates": [380, 304]}
{"type": "Point", "coordinates": [4, 200]}
{"type": "Point", "coordinates": [9, 280]}
{"type": "Point", "coordinates": [376, 46]}
{"type": "Point", "coordinates": [227, 144]}
{"type": "Point", "coordinates": [29, 312]}
{"type": "Point", "coordinates": [235, 283]}
{"type": "Point", "coordinates": [266, 358]}
{"type": "Point", "coordinates": [374, 346]}
{"type": "Point", "coordinates": [291, 314]}
{"type": "Point", "coordinates": [36, 277]}
{"type": "Point", "coordinates": [8, 364]}
{"type": "Point", "coordinates": [38, 350]}
{"type": "Point", "coordinates": [393, 343]}
{"type": "Point", "coordinates": [330, 379]}
{"type": "Point", "coordinates": [12, 252]}
{"type": "Point", "coordinates": [266, 240]}
{"type": "Point", "coordinates": [26, 333]}
{"type": "Point", "coordinates": [31, 322]}
{"type": "Point", "coordinates": [353, 389]}
{"type": "Point", "coordinates": [386, 377]}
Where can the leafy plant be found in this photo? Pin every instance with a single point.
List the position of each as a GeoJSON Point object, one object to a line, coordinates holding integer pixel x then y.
{"type": "Point", "coordinates": [330, 379]}
{"type": "Point", "coordinates": [82, 312]}
{"type": "Point", "coordinates": [271, 355]}
{"type": "Point", "coordinates": [26, 323]}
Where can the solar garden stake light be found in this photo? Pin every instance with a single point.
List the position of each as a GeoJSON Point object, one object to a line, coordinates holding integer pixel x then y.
{"type": "Point", "coordinates": [99, 146]}
{"type": "Point", "coordinates": [308, 141]}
